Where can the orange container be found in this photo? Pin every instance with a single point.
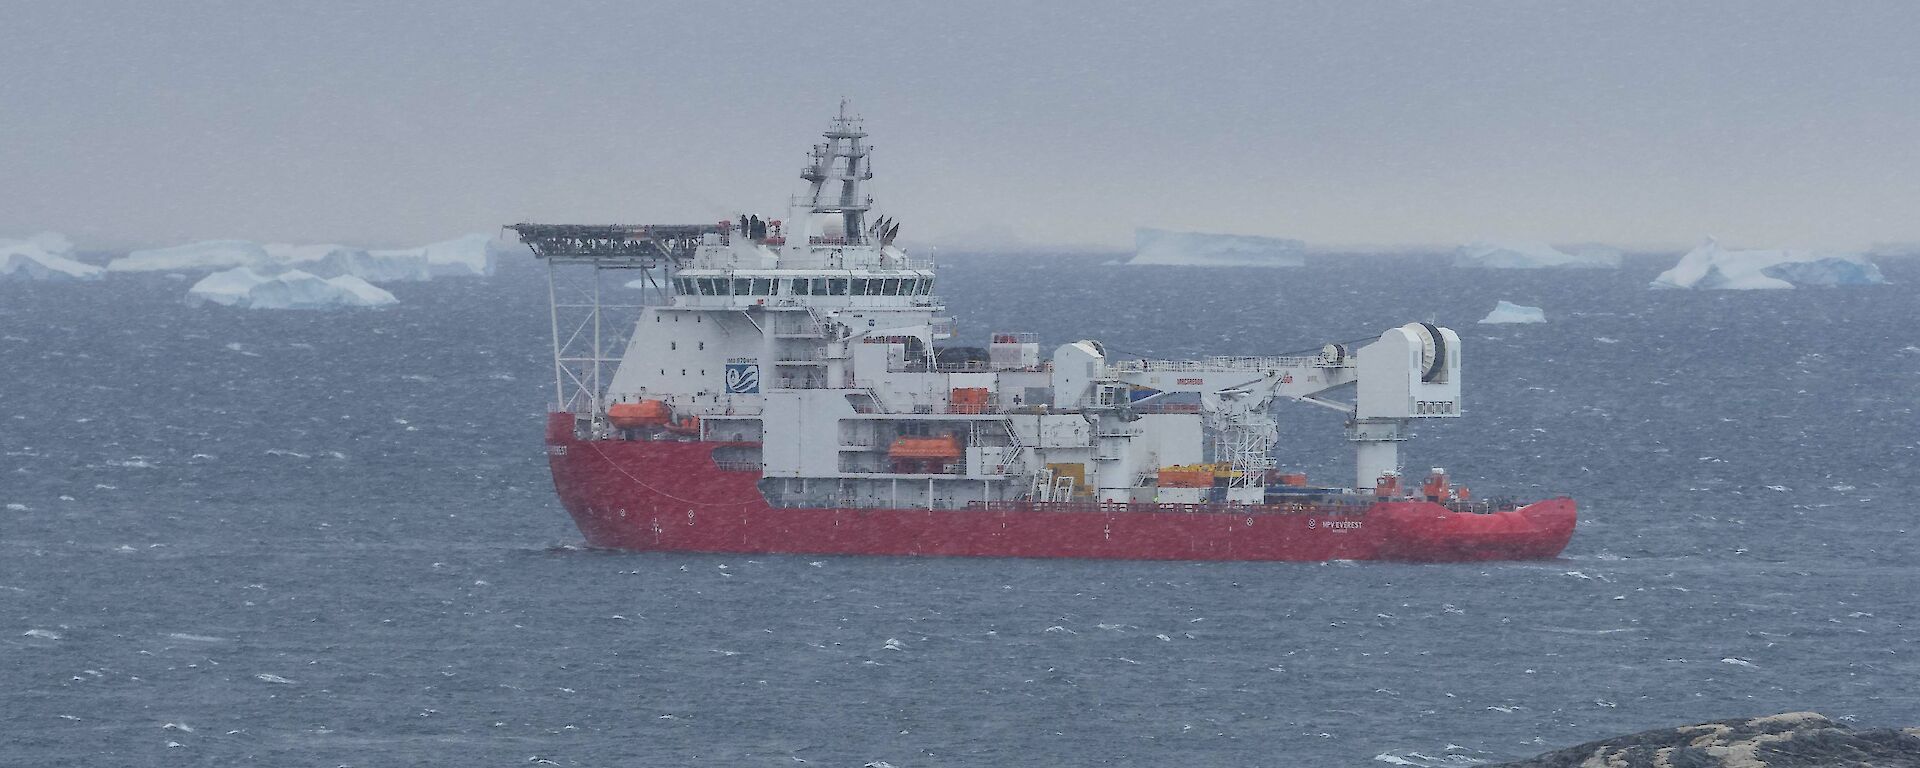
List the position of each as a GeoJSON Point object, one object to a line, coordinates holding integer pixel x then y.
{"type": "Point", "coordinates": [1186, 478]}
{"type": "Point", "coordinates": [968, 400]}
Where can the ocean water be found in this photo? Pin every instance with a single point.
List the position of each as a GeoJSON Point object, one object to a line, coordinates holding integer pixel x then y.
{"type": "Point", "coordinates": [292, 539]}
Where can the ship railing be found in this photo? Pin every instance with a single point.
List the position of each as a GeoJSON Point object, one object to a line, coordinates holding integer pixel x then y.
{"type": "Point", "coordinates": [1481, 507]}
{"type": "Point", "coordinates": [1215, 363]}
{"type": "Point", "coordinates": [1336, 508]}
{"type": "Point", "coordinates": [828, 205]}
{"type": "Point", "coordinates": [804, 330]}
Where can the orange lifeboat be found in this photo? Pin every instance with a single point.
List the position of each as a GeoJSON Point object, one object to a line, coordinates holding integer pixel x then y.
{"type": "Point", "coordinates": [646, 413]}
{"type": "Point", "coordinates": [942, 448]}
{"type": "Point", "coordinates": [931, 455]}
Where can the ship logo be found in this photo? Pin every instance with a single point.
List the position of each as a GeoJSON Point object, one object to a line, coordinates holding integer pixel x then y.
{"type": "Point", "coordinates": [743, 379]}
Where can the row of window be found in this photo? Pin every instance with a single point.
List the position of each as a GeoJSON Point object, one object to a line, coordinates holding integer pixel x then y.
{"type": "Point", "coordinates": [803, 286]}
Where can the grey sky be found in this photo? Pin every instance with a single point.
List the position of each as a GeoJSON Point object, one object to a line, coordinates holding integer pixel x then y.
{"type": "Point", "coordinates": [1342, 122]}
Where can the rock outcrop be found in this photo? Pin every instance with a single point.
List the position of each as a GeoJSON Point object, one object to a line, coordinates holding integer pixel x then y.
{"type": "Point", "coordinates": [1792, 740]}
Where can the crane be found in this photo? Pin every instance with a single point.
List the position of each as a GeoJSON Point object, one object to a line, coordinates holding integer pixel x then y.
{"type": "Point", "coordinates": [1409, 372]}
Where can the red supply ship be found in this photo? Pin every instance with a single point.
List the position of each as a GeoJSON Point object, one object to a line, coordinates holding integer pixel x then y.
{"type": "Point", "coordinates": [787, 386]}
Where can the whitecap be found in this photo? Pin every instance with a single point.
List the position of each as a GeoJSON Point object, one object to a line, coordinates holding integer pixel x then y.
{"type": "Point", "coordinates": [43, 634]}
{"type": "Point", "coordinates": [271, 678]}
{"type": "Point", "coordinates": [195, 638]}
{"type": "Point", "coordinates": [1738, 662]}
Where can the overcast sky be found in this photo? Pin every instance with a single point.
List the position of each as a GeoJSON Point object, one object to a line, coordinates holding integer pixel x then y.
{"type": "Point", "coordinates": [1342, 122]}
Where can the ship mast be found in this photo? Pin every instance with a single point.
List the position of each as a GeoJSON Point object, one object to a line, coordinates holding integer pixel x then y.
{"type": "Point", "coordinates": [843, 158]}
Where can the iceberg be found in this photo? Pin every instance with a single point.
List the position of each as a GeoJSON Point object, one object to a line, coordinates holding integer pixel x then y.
{"type": "Point", "coordinates": [1711, 267]}
{"type": "Point", "coordinates": [293, 289]}
{"type": "Point", "coordinates": [470, 256]}
{"type": "Point", "coordinates": [1159, 247]}
{"type": "Point", "coordinates": [1523, 255]}
{"type": "Point", "coordinates": [338, 260]}
{"type": "Point", "coordinates": [210, 254]}
{"type": "Point", "coordinates": [1508, 312]}
{"type": "Point", "coordinates": [45, 256]}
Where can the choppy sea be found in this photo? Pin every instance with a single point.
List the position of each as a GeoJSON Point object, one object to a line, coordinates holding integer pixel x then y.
{"type": "Point", "coordinates": [329, 538]}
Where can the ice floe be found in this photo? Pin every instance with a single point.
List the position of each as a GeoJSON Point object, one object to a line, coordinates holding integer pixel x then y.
{"type": "Point", "coordinates": [1508, 312]}
{"type": "Point", "coordinates": [468, 256]}
{"type": "Point", "coordinates": [205, 255]}
{"type": "Point", "coordinates": [45, 256]}
{"type": "Point", "coordinates": [473, 255]}
{"type": "Point", "coordinates": [294, 289]}
{"type": "Point", "coordinates": [1712, 267]}
{"type": "Point", "coordinates": [338, 260]}
{"type": "Point", "coordinates": [1525, 255]}
{"type": "Point", "coordinates": [1159, 247]}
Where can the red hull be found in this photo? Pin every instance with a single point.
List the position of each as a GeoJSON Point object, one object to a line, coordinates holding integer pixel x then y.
{"type": "Point", "coordinates": [672, 496]}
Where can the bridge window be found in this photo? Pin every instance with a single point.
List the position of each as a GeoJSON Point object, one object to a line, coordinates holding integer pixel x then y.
{"type": "Point", "coordinates": [859, 286]}
{"type": "Point", "coordinates": [742, 286]}
{"type": "Point", "coordinates": [799, 287]}
{"type": "Point", "coordinates": [837, 286]}
{"type": "Point", "coordinates": [763, 286]}
{"type": "Point", "coordinates": [819, 286]}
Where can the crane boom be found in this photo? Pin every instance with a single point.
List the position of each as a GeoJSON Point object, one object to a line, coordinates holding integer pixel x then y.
{"type": "Point", "coordinates": [1409, 372]}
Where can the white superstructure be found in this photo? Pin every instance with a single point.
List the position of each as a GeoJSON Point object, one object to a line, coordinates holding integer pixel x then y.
{"type": "Point", "coordinates": [815, 348]}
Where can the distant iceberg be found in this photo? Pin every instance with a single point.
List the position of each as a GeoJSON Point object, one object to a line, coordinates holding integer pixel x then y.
{"type": "Point", "coordinates": [1711, 267]}
{"type": "Point", "coordinates": [45, 256]}
{"type": "Point", "coordinates": [210, 254]}
{"type": "Point", "coordinates": [293, 289]}
{"type": "Point", "coordinates": [474, 255]}
{"type": "Point", "coordinates": [1508, 312]}
{"type": "Point", "coordinates": [1159, 247]}
{"type": "Point", "coordinates": [469, 256]}
{"type": "Point", "coordinates": [1524, 255]}
{"type": "Point", "coordinates": [338, 260]}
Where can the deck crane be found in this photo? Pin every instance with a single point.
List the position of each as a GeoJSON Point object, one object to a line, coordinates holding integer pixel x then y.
{"type": "Point", "coordinates": [1409, 372]}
